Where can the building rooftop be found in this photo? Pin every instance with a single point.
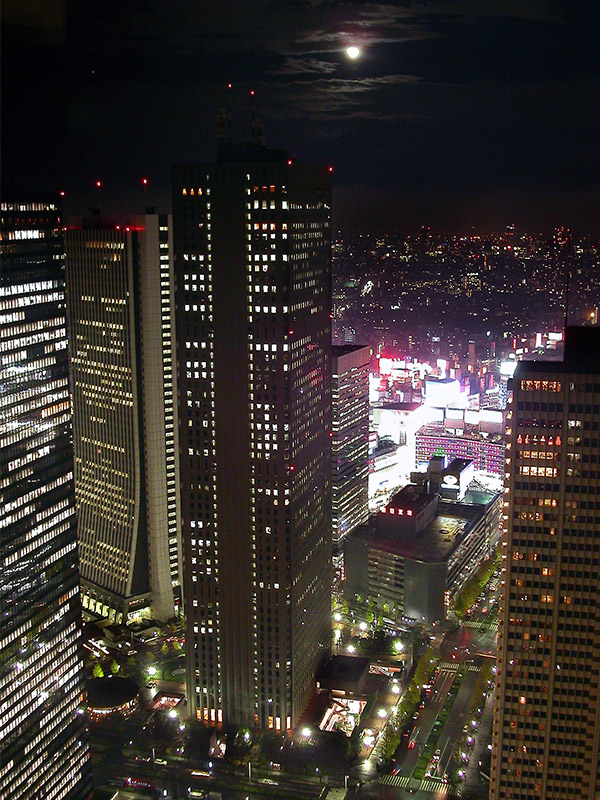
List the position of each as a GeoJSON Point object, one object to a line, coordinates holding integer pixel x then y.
{"type": "Point", "coordinates": [411, 498]}
{"type": "Point", "coordinates": [111, 692]}
{"type": "Point", "coordinates": [400, 406]}
{"type": "Point", "coordinates": [433, 544]}
{"type": "Point", "coordinates": [338, 350]}
{"type": "Point", "coordinates": [343, 668]}
{"type": "Point", "coordinates": [438, 540]}
{"type": "Point", "coordinates": [458, 464]}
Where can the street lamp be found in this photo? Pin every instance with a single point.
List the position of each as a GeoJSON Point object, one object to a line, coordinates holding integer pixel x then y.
{"type": "Point", "coordinates": [152, 671]}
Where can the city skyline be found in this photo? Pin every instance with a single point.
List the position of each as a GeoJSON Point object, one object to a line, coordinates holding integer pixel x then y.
{"type": "Point", "coordinates": [452, 116]}
{"type": "Point", "coordinates": [300, 446]}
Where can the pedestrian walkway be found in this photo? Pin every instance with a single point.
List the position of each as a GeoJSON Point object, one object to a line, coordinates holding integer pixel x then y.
{"type": "Point", "coordinates": [481, 625]}
{"type": "Point", "coordinates": [449, 666]}
{"type": "Point", "coordinates": [426, 785]}
{"type": "Point", "coordinates": [430, 785]}
{"type": "Point", "coordinates": [395, 780]}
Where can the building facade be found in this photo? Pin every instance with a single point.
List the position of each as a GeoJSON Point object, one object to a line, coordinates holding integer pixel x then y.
{"type": "Point", "coordinates": [350, 441]}
{"type": "Point", "coordinates": [43, 744]}
{"type": "Point", "coordinates": [120, 296]}
{"type": "Point", "coordinates": [252, 246]}
{"type": "Point", "coordinates": [418, 552]}
{"type": "Point", "coordinates": [487, 452]}
{"type": "Point", "coordinates": [546, 737]}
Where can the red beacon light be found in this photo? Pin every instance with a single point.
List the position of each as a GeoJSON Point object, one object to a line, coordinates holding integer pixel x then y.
{"type": "Point", "coordinates": [330, 169]}
{"type": "Point", "coordinates": [62, 193]}
{"type": "Point", "coordinates": [145, 181]}
{"type": "Point", "coordinates": [99, 184]}
{"type": "Point", "coordinates": [290, 162]}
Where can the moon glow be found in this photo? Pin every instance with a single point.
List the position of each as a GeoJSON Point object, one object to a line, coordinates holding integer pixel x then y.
{"type": "Point", "coordinates": [353, 52]}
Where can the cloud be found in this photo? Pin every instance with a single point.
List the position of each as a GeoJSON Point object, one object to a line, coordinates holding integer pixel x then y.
{"type": "Point", "coordinates": [330, 99]}
{"type": "Point", "coordinates": [296, 65]}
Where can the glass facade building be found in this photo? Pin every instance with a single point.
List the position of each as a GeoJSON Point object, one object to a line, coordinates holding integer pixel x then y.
{"type": "Point", "coordinates": [43, 745]}
{"type": "Point", "coordinates": [120, 300]}
{"type": "Point", "coordinates": [252, 249]}
{"type": "Point", "coordinates": [350, 441]}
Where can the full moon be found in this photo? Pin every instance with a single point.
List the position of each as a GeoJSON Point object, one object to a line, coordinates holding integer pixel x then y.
{"type": "Point", "coordinates": [353, 52]}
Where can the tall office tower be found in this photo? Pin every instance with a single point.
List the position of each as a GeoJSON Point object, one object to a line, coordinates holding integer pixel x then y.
{"type": "Point", "coordinates": [350, 441]}
{"type": "Point", "coordinates": [120, 299]}
{"type": "Point", "coordinates": [546, 739]}
{"type": "Point", "coordinates": [43, 746]}
{"type": "Point", "coordinates": [252, 248]}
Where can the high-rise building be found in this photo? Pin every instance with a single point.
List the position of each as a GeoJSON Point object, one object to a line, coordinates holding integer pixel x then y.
{"type": "Point", "coordinates": [252, 249]}
{"type": "Point", "coordinates": [350, 441]}
{"type": "Point", "coordinates": [546, 739]}
{"type": "Point", "coordinates": [43, 744]}
{"type": "Point", "coordinates": [120, 299]}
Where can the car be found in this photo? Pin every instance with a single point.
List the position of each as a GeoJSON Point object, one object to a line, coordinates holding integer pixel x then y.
{"type": "Point", "coordinates": [415, 715]}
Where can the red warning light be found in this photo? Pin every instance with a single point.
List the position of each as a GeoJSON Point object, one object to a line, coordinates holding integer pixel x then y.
{"type": "Point", "coordinates": [330, 169]}
{"type": "Point", "coordinates": [62, 194]}
{"type": "Point", "coordinates": [289, 162]}
{"type": "Point", "coordinates": [145, 181]}
{"type": "Point", "coordinates": [251, 92]}
{"type": "Point", "coordinates": [229, 86]}
{"type": "Point", "coordinates": [99, 184]}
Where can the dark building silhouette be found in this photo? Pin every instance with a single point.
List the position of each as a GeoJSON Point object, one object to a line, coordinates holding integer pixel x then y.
{"type": "Point", "coordinates": [252, 249]}
{"type": "Point", "coordinates": [43, 744]}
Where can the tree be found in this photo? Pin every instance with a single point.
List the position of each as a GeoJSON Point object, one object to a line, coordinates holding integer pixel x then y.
{"type": "Point", "coordinates": [164, 649]}
{"type": "Point", "coordinates": [98, 671]}
{"type": "Point", "coordinates": [114, 667]}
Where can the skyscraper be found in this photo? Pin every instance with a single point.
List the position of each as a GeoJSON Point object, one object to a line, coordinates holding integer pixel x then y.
{"type": "Point", "coordinates": [43, 746]}
{"type": "Point", "coordinates": [252, 249]}
{"type": "Point", "coordinates": [350, 441]}
{"type": "Point", "coordinates": [125, 425]}
{"type": "Point", "coordinates": [546, 739]}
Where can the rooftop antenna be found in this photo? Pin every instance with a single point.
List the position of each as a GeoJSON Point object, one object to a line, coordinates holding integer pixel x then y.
{"type": "Point", "coordinates": [229, 117]}
{"type": "Point", "coordinates": [258, 135]}
{"type": "Point", "coordinates": [221, 125]}
{"type": "Point", "coordinates": [254, 131]}
{"type": "Point", "coordinates": [566, 246]}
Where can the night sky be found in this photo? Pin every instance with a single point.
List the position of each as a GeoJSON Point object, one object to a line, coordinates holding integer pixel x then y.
{"type": "Point", "coordinates": [457, 114]}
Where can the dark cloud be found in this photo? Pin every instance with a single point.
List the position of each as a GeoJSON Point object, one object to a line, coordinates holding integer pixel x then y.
{"type": "Point", "coordinates": [451, 98]}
